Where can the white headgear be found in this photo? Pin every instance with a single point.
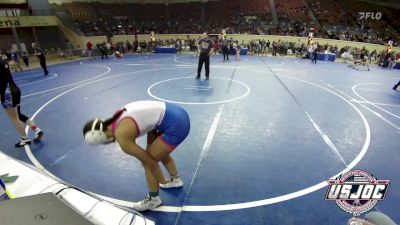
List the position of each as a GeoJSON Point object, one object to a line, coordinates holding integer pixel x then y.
{"type": "Point", "coordinates": [97, 137]}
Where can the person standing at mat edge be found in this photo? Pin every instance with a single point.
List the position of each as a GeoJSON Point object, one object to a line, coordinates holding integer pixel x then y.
{"type": "Point", "coordinates": [224, 47]}
{"type": "Point", "coordinates": [10, 95]}
{"type": "Point", "coordinates": [206, 49]}
{"type": "Point", "coordinates": [38, 52]}
{"type": "Point", "coordinates": [166, 126]}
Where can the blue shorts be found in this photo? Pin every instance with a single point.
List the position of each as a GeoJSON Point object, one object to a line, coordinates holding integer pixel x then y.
{"type": "Point", "coordinates": [175, 125]}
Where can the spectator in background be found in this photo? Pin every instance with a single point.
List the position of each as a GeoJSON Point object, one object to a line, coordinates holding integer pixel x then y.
{"type": "Point", "coordinates": [38, 52]}
{"type": "Point", "coordinates": [216, 47]}
{"type": "Point", "coordinates": [178, 46]}
{"type": "Point", "coordinates": [274, 48]}
{"type": "Point", "coordinates": [298, 48]}
{"type": "Point", "coordinates": [89, 46]}
{"type": "Point", "coordinates": [390, 60]}
{"type": "Point", "coordinates": [135, 45]}
{"type": "Point", "coordinates": [372, 56]}
{"type": "Point", "coordinates": [8, 55]}
{"type": "Point", "coordinates": [15, 60]}
{"type": "Point", "coordinates": [129, 46]}
{"type": "Point", "coordinates": [60, 53]}
{"type": "Point", "coordinates": [69, 49]}
{"type": "Point", "coordinates": [142, 47]}
{"type": "Point", "coordinates": [224, 47]}
{"type": "Point", "coordinates": [124, 47]}
{"type": "Point", "coordinates": [238, 48]}
{"type": "Point", "coordinates": [107, 47]}
{"type": "Point", "coordinates": [314, 53]}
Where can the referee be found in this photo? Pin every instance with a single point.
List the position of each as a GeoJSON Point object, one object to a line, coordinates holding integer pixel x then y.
{"type": "Point", "coordinates": [38, 52]}
{"type": "Point", "coordinates": [206, 49]}
{"type": "Point", "coordinates": [10, 96]}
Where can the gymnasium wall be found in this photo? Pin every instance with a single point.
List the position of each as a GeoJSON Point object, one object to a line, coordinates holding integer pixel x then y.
{"type": "Point", "coordinates": [41, 5]}
{"type": "Point", "coordinates": [46, 28]}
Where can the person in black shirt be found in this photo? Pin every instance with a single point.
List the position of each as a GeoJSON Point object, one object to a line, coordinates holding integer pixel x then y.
{"type": "Point", "coordinates": [206, 49]}
{"type": "Point", "coordinates": [315, 53]}
{"type": "Point", "coordinates": [10, 95]}
{"type": "Point", "coordinates": [224, 47]}
{"type": "Point", "coordinates": [38, 52]}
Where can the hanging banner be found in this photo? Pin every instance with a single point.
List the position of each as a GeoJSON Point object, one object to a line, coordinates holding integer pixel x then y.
{"type": "Point", "coordinates": [10, 12]}
{"type": "Point", "coordinates": [27, 21]}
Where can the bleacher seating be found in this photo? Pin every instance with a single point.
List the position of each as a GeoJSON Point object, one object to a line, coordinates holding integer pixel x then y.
{"type": "Point", "coordinates": [328, 12]}
{"type": "Point", "coordinates": [292, 10]}
{"type": "Point", "coordinates": [81, 11]}
{"type": "Point", "coordinates": [338, 18]}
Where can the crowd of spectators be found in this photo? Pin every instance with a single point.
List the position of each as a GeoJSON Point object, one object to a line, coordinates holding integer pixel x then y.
{"type": "Point", "coordinates": [260, 47]}
{"type": "Point", "coordinates": [332, 20]}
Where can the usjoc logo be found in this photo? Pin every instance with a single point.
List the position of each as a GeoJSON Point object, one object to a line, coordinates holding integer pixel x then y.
{"type": "Point", "coordinates": [369, 15]}
{"type": "Point", "coordinates": [356, 191]}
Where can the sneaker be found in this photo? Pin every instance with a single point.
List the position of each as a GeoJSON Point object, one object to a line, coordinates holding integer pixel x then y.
{"type": "Point", "coordinates": [147, 203]}
{"type": "Point", "coordinates": [394, 88]}
{"type": "Point", "coordinates": [207, 78]}
{"type": "Point", "coordinates": [172, 183]}
{"type": "Point", "coordinates": [23, 142]}
{"type": "Point", "coordinates": [38, 136]}
{"type": "Point", "coordinates": [197, 77]}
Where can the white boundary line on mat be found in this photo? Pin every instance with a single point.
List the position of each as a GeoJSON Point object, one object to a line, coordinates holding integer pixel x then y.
{"type": "Point", "coordinates": [234, 206]}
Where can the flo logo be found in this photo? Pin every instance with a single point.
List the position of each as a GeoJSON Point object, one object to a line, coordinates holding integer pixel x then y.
{"type": "Point", "coordinates": [369, 15]}
{"type": "Point", "coordinates": [356, 191]}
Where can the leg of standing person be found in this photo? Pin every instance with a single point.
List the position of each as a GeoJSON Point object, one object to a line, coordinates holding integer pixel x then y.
{"type": "Point", "coordinates": [160, 150]}
{"type": "Point", "coordinates": [207, 65]}
{"type": "Point", "coordinates": [168, 163]}
{"type": "Point", "coordinates": [13, 116]}
{"type": "Point", "coordinates": [44, 66]}
{"type": "Point", "coordinates": [26, 61]}
{"type": "Point", "coordinates": [26, 120]}
{"type": "Point", "coordinates": [367, 64]}
{"type": "Point", "coordinates": [9, 102]}
{"type": "Point", "coordinates": [200, 66]}
{"type": "Point", "coordinates": [396, 86]}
